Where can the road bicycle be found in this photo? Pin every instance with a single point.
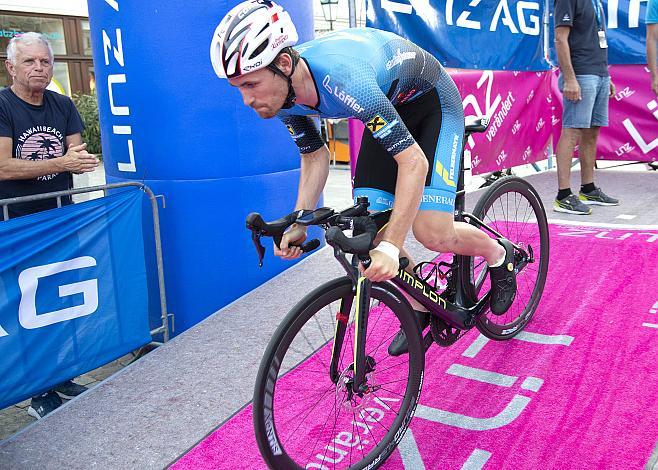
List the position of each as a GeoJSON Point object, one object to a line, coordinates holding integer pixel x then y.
{"type": "Point", "coordinates": [328, 394]}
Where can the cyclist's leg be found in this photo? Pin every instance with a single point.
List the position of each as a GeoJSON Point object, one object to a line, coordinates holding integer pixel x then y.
{"type": "Point", "coordinates": [441, 138]}
{"type": "Point", "coordinates": [434, 226]}
{"type": "Point", "coordinates": [375, 177]}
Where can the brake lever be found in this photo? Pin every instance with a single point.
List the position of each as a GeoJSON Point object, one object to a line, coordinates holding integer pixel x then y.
{"type": "Point", "coordinates": [260, 249]}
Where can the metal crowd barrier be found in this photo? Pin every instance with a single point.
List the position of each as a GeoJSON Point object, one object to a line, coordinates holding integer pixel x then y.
{"type": "Point", "coordinates": [164, 328]}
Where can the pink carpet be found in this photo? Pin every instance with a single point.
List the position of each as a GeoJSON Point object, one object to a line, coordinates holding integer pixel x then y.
{"type": "Point", "coordinates": [577, 389]}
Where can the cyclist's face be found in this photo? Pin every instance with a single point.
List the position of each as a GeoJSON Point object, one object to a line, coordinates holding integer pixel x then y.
{"type": "Point", "coordinates": [262, 90]}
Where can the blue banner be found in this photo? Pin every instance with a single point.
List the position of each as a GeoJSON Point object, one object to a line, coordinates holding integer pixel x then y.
{"type": "Point", "coordinates": [502, 34]}
{"type": "Point", "coordinates": [73, 292]}
{"type": "Point", "coordinates": [497, 34]}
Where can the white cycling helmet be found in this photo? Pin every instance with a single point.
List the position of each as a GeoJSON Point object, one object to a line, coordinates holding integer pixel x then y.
{"type": "Point", "coordinates": [249, 38]}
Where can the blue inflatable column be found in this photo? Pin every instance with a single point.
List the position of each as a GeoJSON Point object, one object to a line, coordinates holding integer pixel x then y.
{"type": "Point", "coordinates": [168, 121]}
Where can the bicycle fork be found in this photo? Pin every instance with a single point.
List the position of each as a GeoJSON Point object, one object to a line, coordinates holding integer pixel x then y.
{"type": "Point", "coordinates": [361, 365]}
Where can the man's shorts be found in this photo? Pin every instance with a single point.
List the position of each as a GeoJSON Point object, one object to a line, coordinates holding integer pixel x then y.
{"type": "Point", "coordinates": [592, 109]}
{"type": "Point", "coordinates": [438, 128]}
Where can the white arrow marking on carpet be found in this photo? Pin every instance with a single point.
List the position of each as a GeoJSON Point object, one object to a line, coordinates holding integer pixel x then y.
{"type": "Point", "coordinates": [409, 452]}
{"type": "Point", "coordinates": [477, 460]}
{"type": "Point", "coordinates": [480, 375]}
{"type": "Point", "coordinates": [563, 340]}
{"type": "Point", "coordinates": [512, 411]}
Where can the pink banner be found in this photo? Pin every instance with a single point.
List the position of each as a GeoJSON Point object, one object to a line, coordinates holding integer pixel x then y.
{"type": "Point", "coordinates": [518, 106]}
{"type": "Point", "coordinates": [632, 133]}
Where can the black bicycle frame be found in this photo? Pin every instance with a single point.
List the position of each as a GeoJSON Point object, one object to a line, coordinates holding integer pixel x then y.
{"type": "Point", "coordinates": [461, 314]}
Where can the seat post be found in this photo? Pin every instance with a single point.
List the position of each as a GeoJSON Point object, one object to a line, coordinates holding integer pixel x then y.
{"type": "Point", "coordinates": [460, 198]}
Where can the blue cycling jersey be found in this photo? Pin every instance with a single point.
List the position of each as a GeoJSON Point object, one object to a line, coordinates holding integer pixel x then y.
{"type": "Point", "coordinates": [363, 73]}
{"type": "Point", "coordinates": [373, 76]}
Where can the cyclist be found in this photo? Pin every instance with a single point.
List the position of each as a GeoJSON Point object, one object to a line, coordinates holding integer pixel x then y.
{"type": "Point", "coordinates": [410, 153]}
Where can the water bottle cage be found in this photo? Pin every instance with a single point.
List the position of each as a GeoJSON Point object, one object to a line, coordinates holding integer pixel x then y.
{"type": "Point", "coordinates": [437, 271]}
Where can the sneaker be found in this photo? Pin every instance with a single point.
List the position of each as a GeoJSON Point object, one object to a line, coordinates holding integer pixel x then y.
{"type": "Point", "coordinates": [571, 205]}
{"type": "Point", "coordinates": [399, 344]}
{"type": "Point", "coordinates": [598, 197]}
{"type": "Point", "coordinates": [503, 281]}
{"type": "Point", "coordinates": [69, 389]}
{"type": "Point", "coordinates": [43, 404]}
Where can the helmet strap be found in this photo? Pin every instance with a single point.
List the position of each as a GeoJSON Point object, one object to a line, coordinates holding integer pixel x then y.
{"type": "Point", "coordinates": [292, 97]}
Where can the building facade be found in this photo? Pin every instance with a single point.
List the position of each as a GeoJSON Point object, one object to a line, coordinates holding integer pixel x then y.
{"type": "Point", "coordinates": [66, 25]}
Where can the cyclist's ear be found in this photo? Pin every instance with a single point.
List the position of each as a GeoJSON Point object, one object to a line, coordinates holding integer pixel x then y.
{"type": "Point", "coordinates": [284, 62]}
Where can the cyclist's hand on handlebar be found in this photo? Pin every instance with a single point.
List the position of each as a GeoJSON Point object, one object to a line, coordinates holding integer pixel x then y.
{"type": "Point", "coordinates": [382, 267]}
{"type": "Point", "coordinates": [296, 235]}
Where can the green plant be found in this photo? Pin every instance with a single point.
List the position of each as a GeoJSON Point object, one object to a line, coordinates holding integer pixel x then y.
{"type": "Point", "coordinates": [87, 106]}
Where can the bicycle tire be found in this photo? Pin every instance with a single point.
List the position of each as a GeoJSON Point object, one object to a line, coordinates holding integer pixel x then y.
{"type": "Point", "coordinates": [518, 196]}
{"type": "Point", "coordinates": [272, 424]}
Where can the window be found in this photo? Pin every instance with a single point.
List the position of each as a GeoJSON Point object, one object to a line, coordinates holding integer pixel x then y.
{"type": "Point", "coordinates": [52, 28]}
{"type": "Point", "coordinates": [61, 82]}
{"type": "Point", "coordinates": [91, 76]}
{"type": "Point", "coordinates": [86, 38]}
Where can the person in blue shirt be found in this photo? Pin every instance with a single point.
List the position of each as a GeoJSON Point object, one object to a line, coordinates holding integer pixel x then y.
{"type": "Point", "coordinates": [410, 153]}
{"type": "Point", "coordinates": [651, 20]}
{"type": "Point", "coordinates": [582, 52]}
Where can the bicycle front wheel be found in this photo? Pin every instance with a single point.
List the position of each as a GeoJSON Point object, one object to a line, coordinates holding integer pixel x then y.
{"type": "Point", "coordinates": [512, 207]}
{"type": "Point", "coordinates": [305, 415]}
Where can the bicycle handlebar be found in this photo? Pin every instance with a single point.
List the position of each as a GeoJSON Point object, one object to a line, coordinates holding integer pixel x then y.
{"type": "Point", "coordinates": [365, 228]}
{"type": "Point", "coordinates": [365, 231]}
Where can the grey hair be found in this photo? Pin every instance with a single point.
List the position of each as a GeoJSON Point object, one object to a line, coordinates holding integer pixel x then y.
{"type": "Point", "coordinates": [27, 39]}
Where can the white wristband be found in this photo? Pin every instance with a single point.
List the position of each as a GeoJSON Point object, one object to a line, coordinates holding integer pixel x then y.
{"type": "Point", "coordinates": [388, 249]}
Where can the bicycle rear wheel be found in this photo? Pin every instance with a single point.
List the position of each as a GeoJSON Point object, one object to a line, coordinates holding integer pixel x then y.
{"type": "Point", "coordinates": [304, 418]}
{"type": "Point", "coordinates": [512, 207]}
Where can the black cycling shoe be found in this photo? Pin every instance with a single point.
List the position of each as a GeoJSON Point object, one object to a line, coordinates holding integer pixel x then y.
{"type": "Point", "coordinates": [503, 281]}
{"type": "Point", "coordinates": [399, 344]}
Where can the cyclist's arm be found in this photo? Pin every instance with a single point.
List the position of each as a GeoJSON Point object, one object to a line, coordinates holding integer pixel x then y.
{"type": "Point", "coordinates": [313, 177]}
{"type": "Point", "coordinates": [315, 159]}
{"type": "Point", "coordinates": [412, 171]}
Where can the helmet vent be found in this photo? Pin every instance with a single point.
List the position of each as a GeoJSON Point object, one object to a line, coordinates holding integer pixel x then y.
{"type": "Point", "coordinates": [259, 49]}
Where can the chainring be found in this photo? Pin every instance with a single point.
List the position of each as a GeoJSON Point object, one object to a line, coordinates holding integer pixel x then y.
{"type": "Point", "coordinates": [443, 334]}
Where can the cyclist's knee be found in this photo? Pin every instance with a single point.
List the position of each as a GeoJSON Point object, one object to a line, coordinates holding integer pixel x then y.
{"type": "Point", "coordinates": [436, 233]}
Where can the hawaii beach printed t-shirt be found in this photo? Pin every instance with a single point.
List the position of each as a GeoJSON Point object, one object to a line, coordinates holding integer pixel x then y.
{"type": "Point", "coordinates": [37, 133]}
